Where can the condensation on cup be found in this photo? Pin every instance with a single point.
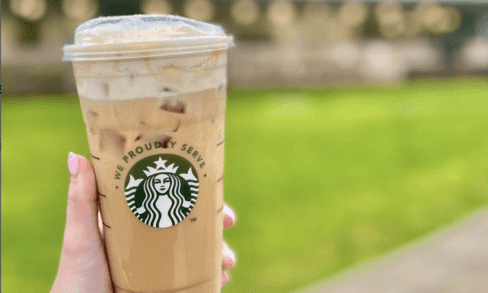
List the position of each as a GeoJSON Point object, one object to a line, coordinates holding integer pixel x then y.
{"type": "Point", "coordinates": [152, 90]}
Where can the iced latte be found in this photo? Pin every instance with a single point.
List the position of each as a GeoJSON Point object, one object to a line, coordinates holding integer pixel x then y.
{"type": "Point", "coordinates": [153, 90]}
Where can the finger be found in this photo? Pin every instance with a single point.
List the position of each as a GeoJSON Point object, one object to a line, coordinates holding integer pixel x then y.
{"type": "Point", "coordinates": [82, 254]}
{"type": "Point", "coordinates": [225, 277]}
{"type": "Point", "coordinates": [81, 232]}
{"type": "Point", "coordinates": [228, 257]}
{"type": "Point", "coordinates": [229, 217]}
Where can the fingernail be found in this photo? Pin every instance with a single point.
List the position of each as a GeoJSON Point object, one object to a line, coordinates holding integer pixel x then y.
{"type": "Point", "coordinates": [230, 254]}
{"type": "Point", "coordinates": [230, 212]}
{"type": "Point", "coordinates": [73, 164]}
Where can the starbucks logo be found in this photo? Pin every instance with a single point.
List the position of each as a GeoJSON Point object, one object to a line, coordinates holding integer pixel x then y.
{"type": "Point", "coordinates": [161, 190]}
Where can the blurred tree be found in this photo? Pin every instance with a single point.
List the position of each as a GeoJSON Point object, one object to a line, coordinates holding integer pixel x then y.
{"type": "Point", "coordinates": [451, 42]}
{"type": "Point", "coordinates": [370, 26]}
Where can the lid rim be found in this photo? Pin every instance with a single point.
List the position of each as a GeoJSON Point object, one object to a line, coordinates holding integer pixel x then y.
{"type": "Point", "coordinates": [192, 42]}
{"type": "Point", "coordinates": [137, 54]}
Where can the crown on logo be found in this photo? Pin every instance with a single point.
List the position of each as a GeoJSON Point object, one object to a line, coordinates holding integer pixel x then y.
{"type": "Point", "coordinates": [160, 168]}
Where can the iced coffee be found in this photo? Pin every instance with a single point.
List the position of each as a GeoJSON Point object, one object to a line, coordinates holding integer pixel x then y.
{"type": "Point", "coordinates": [152, 90]}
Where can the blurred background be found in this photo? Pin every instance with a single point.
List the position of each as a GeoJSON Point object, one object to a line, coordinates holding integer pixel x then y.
{"type": "Point", "coordinates": [278, 43]}
{"type": "Point", "coordinates": [366, 118]}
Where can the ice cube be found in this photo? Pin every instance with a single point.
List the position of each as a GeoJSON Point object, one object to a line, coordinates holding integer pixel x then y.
{"type": "Point", "coordinates": [165, 141]}
{"type": "Point", "coordinates": [111, 141]}
{"type": "Point", "coordinates": [175, 107]}
{"type": "Point", "coordinates": [106, 89]}
{"type": "Point", "coordinates": [168, 89]}
{"type": "Point", "coordinates": [220, 87]}
{"type": "Point", "coordinates": [91, 117]}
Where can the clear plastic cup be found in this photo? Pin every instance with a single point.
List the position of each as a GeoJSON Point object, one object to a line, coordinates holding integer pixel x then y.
{"type": "Point", "coordinates": [152, 90]}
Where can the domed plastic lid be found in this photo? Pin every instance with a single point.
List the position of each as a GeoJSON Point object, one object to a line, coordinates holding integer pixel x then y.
{"type": "Point", "coordinates": [136, 36]}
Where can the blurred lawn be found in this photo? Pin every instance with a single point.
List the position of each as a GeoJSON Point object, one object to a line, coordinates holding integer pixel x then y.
{"type": "Point", "coordinates": [321, 179]}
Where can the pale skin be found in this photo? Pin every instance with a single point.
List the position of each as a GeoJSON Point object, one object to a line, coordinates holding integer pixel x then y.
{"type": "Point", "coordinates": [83, 266]}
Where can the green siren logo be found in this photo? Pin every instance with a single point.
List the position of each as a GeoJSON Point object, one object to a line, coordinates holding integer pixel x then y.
{"type": "Point", "coordinates": [161, 190]}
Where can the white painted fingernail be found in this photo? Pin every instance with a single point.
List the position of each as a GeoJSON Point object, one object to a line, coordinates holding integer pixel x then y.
{"type": "Point", "coordinates": [73, 164]}
{"type": "Point", "coordinates": [230, 212]}
{"type": "Point", "coordinates": [230, 253]}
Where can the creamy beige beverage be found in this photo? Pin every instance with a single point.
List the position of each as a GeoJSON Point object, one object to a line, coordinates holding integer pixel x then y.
{"type": "Point", "coordinates": [153, 92]}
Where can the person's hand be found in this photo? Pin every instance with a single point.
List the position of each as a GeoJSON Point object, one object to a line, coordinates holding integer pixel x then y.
{"type": "Point", "coordinates": [83, 266]}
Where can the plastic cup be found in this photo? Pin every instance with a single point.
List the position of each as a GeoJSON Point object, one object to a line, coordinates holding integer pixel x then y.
{"type": "Point", "coordinates": [152, 90]}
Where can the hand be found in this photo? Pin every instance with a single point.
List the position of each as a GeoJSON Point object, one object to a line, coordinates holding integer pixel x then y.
{"type": "Point", "coordinates": [83, 266]}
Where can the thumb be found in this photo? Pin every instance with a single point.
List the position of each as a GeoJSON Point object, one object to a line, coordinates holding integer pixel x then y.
{"type": "Point", "coordinates": [83, 263]}
{"type": "Point", "coordinates": [81, 234]}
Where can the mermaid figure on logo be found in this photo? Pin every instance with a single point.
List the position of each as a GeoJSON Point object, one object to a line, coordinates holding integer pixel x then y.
{"type": "Point", "coordinates": [163, 199]}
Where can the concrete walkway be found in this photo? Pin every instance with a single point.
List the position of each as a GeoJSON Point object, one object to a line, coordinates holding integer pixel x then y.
{"type": "Point", "coordinates": [450, 261]}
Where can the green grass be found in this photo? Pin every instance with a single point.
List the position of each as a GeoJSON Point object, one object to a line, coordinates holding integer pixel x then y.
{"type": "Point", "coordinates": [321, 179]}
